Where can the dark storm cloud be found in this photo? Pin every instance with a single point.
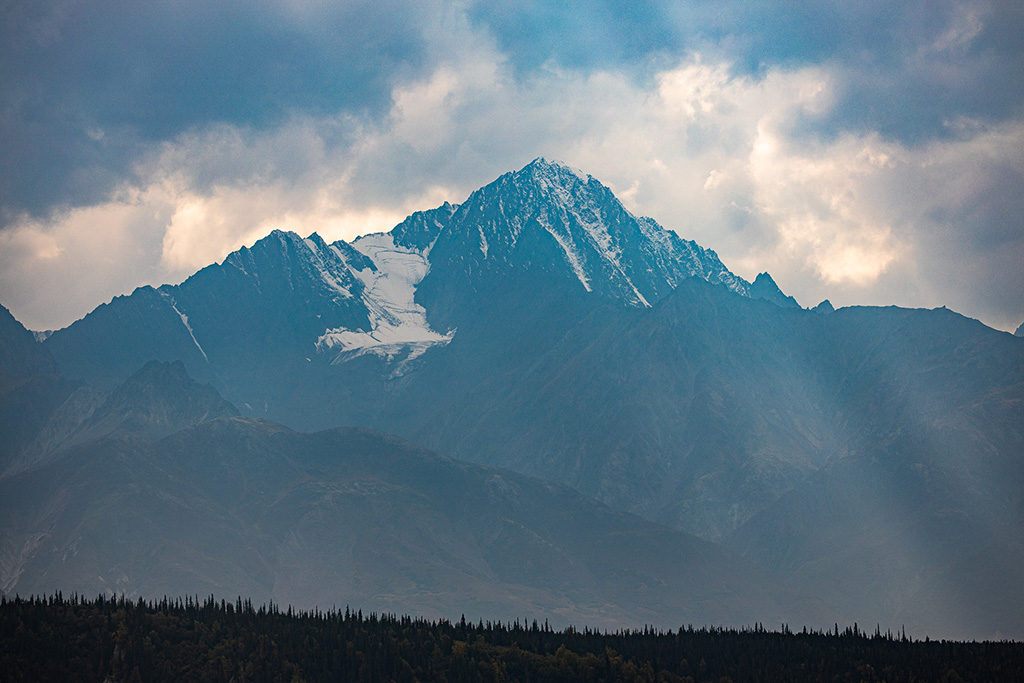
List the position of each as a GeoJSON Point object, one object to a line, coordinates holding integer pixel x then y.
{"type": "Point", "coordinates": [579, 35]}
{"type": "Point", "coordinates": [87, 84]}
{"type": "Point", "coordinates": [963, 61]}
{"type": "Point", "coordinates": [910, 65]}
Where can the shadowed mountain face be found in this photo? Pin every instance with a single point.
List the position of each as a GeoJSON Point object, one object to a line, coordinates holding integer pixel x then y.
{"type": "Point", "coordinates": [30, 388]}
{"type": "Point", "coordinates": [539, 326]}
{"type": "Point", "coordinates": [157, 400]}
{"type": "Point", "coordinates": [356, 517]}
{"type": "Point", "coordinates": [156, 489]}
{"type": "Point", "coordinates": [20, 354]}
{"type": "Point", "coordinates": [921, 518]}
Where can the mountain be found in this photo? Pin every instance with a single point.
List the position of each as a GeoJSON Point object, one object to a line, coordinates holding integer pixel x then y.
{"type": "Point", "coordinates": [918, 518]}
{"type": "Point", "coordinates": [764, 287]}
{"type": "Point", "coordinates": [391, 295]}
{"type": "Point", "coordinates": [20, 354]}
{"type": "Point", "coordinates": [155, 401]}
{"type": "Point", "coordinates": [1020, 331]}
{"type": "Point", "coordinates": [824, 307]}
{"type": "Point", "coordinates": [702, 410]}
{"type": "Point", "coordinates": [31, 388]}
{"type": "Point", "coordinates": [539, 326]}
{"type": "Point", "coordinates": [555, 223]}
{"type": "Point", "coordinates": [304, 332]}
{"type": "Point", "coordinates": [262, 308]}
{"type": "Point", "coordinates": [157, 488]}
{"type": "Point", "coordinates": [235, 506]}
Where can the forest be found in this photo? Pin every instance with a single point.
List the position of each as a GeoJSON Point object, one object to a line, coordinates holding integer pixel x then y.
{"type": "Point", "coordinates": [58, 638]}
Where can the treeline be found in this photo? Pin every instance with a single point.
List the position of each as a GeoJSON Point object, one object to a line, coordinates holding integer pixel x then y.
{"type": "Point", "coordinates": [116, 639]}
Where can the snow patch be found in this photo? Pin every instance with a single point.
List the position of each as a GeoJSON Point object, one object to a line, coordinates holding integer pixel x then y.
{"type": "Point", "coordinates": [584, 177]}
{"type": "Point", "coordinates": [595, 231]}
{"type": "Point", "coordinates": [184, 321]}
{"type": "Point", "coordinates": [483, 240]}
{"type": "Point", "coordinates": [398, 325]}
{"type": "Point", "coordinates": [599, 235]}
{"type": "Point", "coordinates": [570, 252]}
{"type": "Point", "coordinates": [548, 166]}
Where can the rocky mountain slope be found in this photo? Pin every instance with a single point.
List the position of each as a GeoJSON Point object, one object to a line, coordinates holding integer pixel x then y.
{"type": "Point", "coordinates": [162, 492]}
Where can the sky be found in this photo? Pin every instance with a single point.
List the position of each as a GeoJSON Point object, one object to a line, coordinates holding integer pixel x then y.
{"type": "Point", "coordinates": [869, 152]}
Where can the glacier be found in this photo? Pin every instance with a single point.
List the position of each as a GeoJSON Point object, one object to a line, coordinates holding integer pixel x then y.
{"type": "Point", "coordinates": [399, 328]}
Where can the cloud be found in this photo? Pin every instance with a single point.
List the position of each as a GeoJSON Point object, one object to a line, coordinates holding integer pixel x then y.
{"type": "Point", "coordinates": [88, 86]}
{"type": "Point", "coordinates": [54, 271]}
{"type": "Point", "coordinates": [804, 165]}
{"type": "Point", "coordinates": [195, 200]}
{"type": "Point", "coordinates": [964, 198]}
{"type": "Point", "coordinates": [817, 201]}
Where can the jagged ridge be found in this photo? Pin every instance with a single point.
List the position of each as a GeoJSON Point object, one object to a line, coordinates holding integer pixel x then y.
{"type": "Point", "coordinates": [396, 295]}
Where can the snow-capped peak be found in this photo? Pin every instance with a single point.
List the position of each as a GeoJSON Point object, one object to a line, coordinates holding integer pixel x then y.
{"type": "Point", "coordinates": [541, 167]}
{"type": "Point", "coordinates": [547, 217]}
{"type": "Point", "coordinates": [590, 236]}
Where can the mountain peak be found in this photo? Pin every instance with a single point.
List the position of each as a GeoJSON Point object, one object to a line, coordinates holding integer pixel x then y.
{"type": "Point", "coordinates": [552, 219]}
{"type": "Point", "coordinates": [20, 353]}
{"type": "Point", "coordinates": [278, 237]}
{"type": "Point", "coordinates": [824, 307]}
{"type": "Point", "coordinates": [421, 229]}
{"type": "Point", "coordinates": [764, 287]}
{"type": "Point", "coordinates": [562, 183]}
{"type": "Point", "coordinates": [158, 399]}
{"type": "Point", "coordinates": [553, 168]}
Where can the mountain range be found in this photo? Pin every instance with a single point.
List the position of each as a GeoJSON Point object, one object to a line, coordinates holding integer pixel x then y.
{"type": "Point", "coordinates": [163, 489]}
{"type": "Point", "coordinates": [865, 462]}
